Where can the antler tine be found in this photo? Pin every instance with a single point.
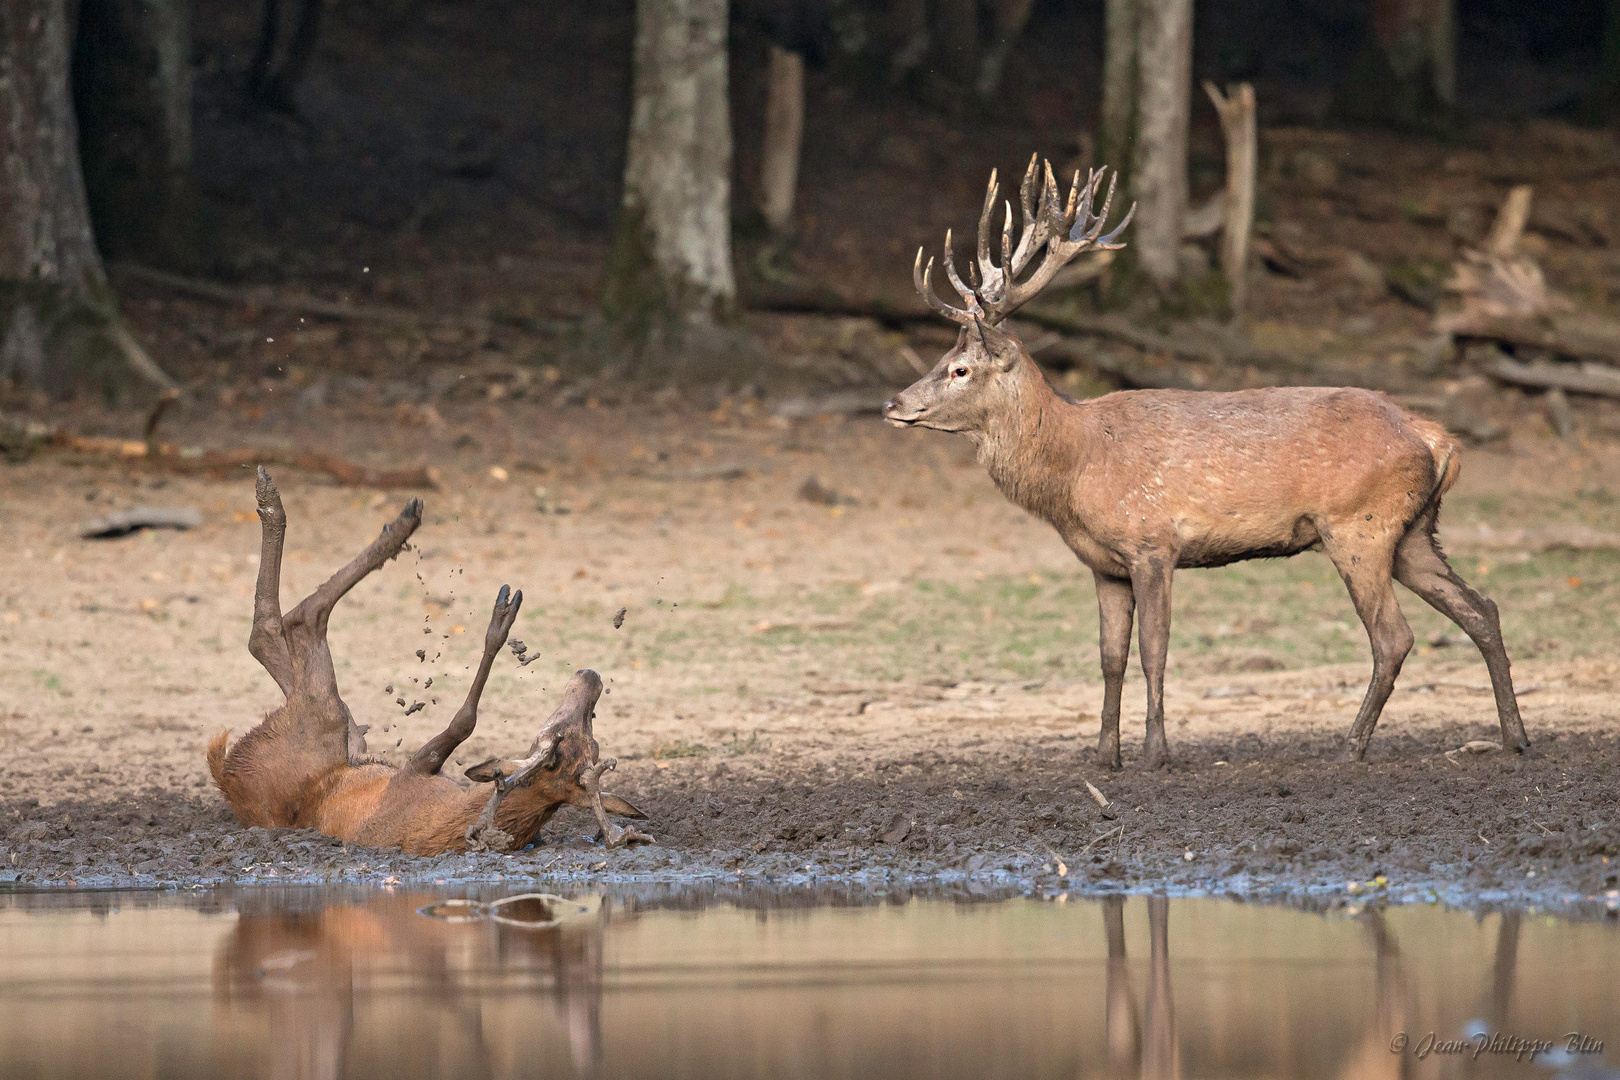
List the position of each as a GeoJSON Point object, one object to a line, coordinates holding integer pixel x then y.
{"type": "Point", "coordinates": [969, 297]}
{"type": "Point", "coordinates": [1108, 243]}
{"type": "Point", "coordinates": [1006, 243]}
{"type": "Point", "coordinates": [987, 268]}
{"type": "Point", "coordinates": [1026, 191]}
{"type": "Point", "coordinates": [923, 280]}
{"type": "Point", "coordinates": [1081, 226]}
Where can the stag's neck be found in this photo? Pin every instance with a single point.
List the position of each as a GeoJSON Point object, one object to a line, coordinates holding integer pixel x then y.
{"type": "Point", "coordinates": [1033, 449]}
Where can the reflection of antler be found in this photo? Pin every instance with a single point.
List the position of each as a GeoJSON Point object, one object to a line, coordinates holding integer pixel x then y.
{"type": "Point", "coordinates": [591, 780]}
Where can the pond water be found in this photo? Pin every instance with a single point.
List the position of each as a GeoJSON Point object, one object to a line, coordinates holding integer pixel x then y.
{"type": "Point", "coordinates": [398, 982]}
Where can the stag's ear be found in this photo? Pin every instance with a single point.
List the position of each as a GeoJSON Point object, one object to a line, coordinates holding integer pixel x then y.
{"type": "Point", "coordinates": [485, 771]}
{"type": "Point", "coordinates": [615, 805]}
{"type": "Point", "coordinates": [1001, 346]}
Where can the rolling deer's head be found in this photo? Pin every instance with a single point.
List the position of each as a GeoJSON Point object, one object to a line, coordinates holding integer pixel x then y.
{"type": "Point", "coordinates": [562, 765]}
{"type": "Point", "coordinates": [982, 376]}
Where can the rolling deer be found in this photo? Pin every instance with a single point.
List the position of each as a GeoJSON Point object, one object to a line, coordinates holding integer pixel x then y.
{"type": "Point", "coordinates": [1141, 483]}
{"type": "Point", "coordinates": [304, 766]}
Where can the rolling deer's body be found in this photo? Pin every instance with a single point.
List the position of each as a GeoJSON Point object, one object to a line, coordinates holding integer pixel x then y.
{"type": "Point", "coordinates": [304, 765]}
{"type": "Point", "coordinates": [1141, 483]}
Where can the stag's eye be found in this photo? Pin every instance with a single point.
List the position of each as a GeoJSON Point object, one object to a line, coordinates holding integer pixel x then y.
{"type": "Point", "coordinates": [960, 373]}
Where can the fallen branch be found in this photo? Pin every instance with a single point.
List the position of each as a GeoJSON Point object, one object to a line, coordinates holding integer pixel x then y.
{"type": "Point", "coordinates": [1216, 344]}
{"type": "Point", "coordinates": [189, 459]}
{"type": "Point", "coordinates": [298, 305]}
{"type": "Point", "coordinates": [1580, 335]}
{"type": "Point", "coordinates": [1597, 379]}
{"type": "Point", "coordinates": [1551, 538]}
{"type": "Point", "coordinates": [124, 522]}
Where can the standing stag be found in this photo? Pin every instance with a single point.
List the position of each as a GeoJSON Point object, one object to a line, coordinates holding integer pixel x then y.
{"type": "Point", "coordinates": [1141, 482]}
{"type": "Point", "coordinates": [304, 766]}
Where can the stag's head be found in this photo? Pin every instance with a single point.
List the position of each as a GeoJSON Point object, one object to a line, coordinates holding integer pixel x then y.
{"type": "Point", "coordinates": [983, 376]}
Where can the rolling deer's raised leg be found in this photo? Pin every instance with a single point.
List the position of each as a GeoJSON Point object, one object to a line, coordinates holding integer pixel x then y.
{"type": "Point", "coordinates": [1366, 573]}
{"type": "Point", "coordinates": [1421, 567]}
{"type": "Point", "coordinates": [1115, 606]}
{"type": "Point", "coordinates": [437, 750]}
{"type": "Point", "coordinates": [1150, 585]}
{"type": "Point", "coordinates": [267, 641]}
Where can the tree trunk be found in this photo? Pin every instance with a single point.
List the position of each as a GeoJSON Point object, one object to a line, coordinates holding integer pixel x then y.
{"type": "Point", "coordinates": [1117, 134]}
{"type": "Point", "coordinates": [1407, 74]}
{"type": "Point", "coordinates": [1608, 92]}
{"type": "Point", "coordinates": [132, 92]}
{"type": "Point", "coordinates": [671, 263]}
{"type": "Point", "coordinates": [784, 131]}
{"type": "Point", "coordinates": [59, 326]}
{"type": "Point", "coordinates": [1011, 15]}
{"type": "Point", "coordinates": [1159, 181]}
{"type": "Point", "coordinates": [1237, 112]}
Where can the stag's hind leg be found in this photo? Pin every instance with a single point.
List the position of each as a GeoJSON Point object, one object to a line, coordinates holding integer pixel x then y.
{"type": "Point", "coordinates": [1366, 570]}
{"type": "Point", "coordinates": [1422, 567]}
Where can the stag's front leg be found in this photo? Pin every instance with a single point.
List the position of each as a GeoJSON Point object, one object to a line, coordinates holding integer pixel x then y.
{"type": "Point", "coordinates": [1115, 605]}
{"type": "Point", "coordinates": [1150, 582]}
{"type": "Point", "coordinates": [437, 750]}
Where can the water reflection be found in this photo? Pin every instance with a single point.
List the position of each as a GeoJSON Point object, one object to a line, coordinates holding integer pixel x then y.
{"type": "Point", "coordinates": [306, 970]}
{"type": "Point", "coordinates": [676, 984]}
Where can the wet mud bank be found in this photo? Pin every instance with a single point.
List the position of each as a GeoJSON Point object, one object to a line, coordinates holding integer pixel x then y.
{"type": "Point", "coordinates": [1412, 824]}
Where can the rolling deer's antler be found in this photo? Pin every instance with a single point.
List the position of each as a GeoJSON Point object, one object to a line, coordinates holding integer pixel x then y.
{"type": "Point", "coordinates": [1063, 229]}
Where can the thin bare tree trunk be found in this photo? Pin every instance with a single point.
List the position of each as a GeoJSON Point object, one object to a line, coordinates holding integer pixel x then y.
{"type": "Point", "coordinates": [59, 326]}
{"type": "Point", "coordinates": [1237, 113]}
{"type": "Point", "coordinates": [132, 92]}
{"type": "Point", "coordinates": [672, 254]}
{"type": "Point", "coordinates": [1118, 135]}
{"type": "Point", "coordinates": [1159, 182]}
{"type": "Point", "coordinates": [1407, 75]}
{"type": "Point", "coordinates": [784, 131]}
{"type": "Point", "coordinates": [908, 27]}
{"type": "Point", "coordinates": [1010, 16]}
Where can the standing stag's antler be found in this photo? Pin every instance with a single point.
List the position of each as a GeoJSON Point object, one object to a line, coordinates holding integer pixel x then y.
{"type": "Point", "coordinates": [1064, 230]}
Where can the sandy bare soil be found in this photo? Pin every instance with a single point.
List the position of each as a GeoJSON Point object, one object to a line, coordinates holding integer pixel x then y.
{"type": "Point", "coordinates": [902, 682]}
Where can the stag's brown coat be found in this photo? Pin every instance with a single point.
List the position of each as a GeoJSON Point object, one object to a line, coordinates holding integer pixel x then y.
{"type": "Point", "coordinates": [305, 764]}
{"type": "Point", "coordinates": [1141, 483]}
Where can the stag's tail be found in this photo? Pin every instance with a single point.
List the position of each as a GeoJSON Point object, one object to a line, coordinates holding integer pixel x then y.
{"type": "Point", "coordinates": [1444, 449]}
{"type": "Point", "coordinates": [216, 758]}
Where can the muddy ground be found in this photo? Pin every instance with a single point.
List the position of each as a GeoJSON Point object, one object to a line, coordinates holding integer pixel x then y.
{"type": "Point", "coordinates": [902, 683]}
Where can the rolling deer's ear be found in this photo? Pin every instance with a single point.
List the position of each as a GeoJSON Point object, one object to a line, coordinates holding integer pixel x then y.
{"type": "Point", "coordinates": [485, 771]}
{"type": "Point", "coordinates": [615, 805]}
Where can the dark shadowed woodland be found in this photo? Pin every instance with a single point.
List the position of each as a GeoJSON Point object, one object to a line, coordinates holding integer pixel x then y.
{"type": "Point", "coordinates": [618, 290]}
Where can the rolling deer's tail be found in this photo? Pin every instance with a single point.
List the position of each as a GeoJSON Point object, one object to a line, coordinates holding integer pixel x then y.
{"type": "Point", "coordinates": [216, 758]}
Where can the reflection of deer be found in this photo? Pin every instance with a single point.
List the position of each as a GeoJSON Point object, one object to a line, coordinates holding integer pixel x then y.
{"type": "Point", "coordinates": [1158, 1055]}
{"type": "Point", "coordinates": [304, 969]}
{"type": "Point", "coordinates": [1394, 1012]}
{"type": "Point", "coordinates": [304, 765]}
